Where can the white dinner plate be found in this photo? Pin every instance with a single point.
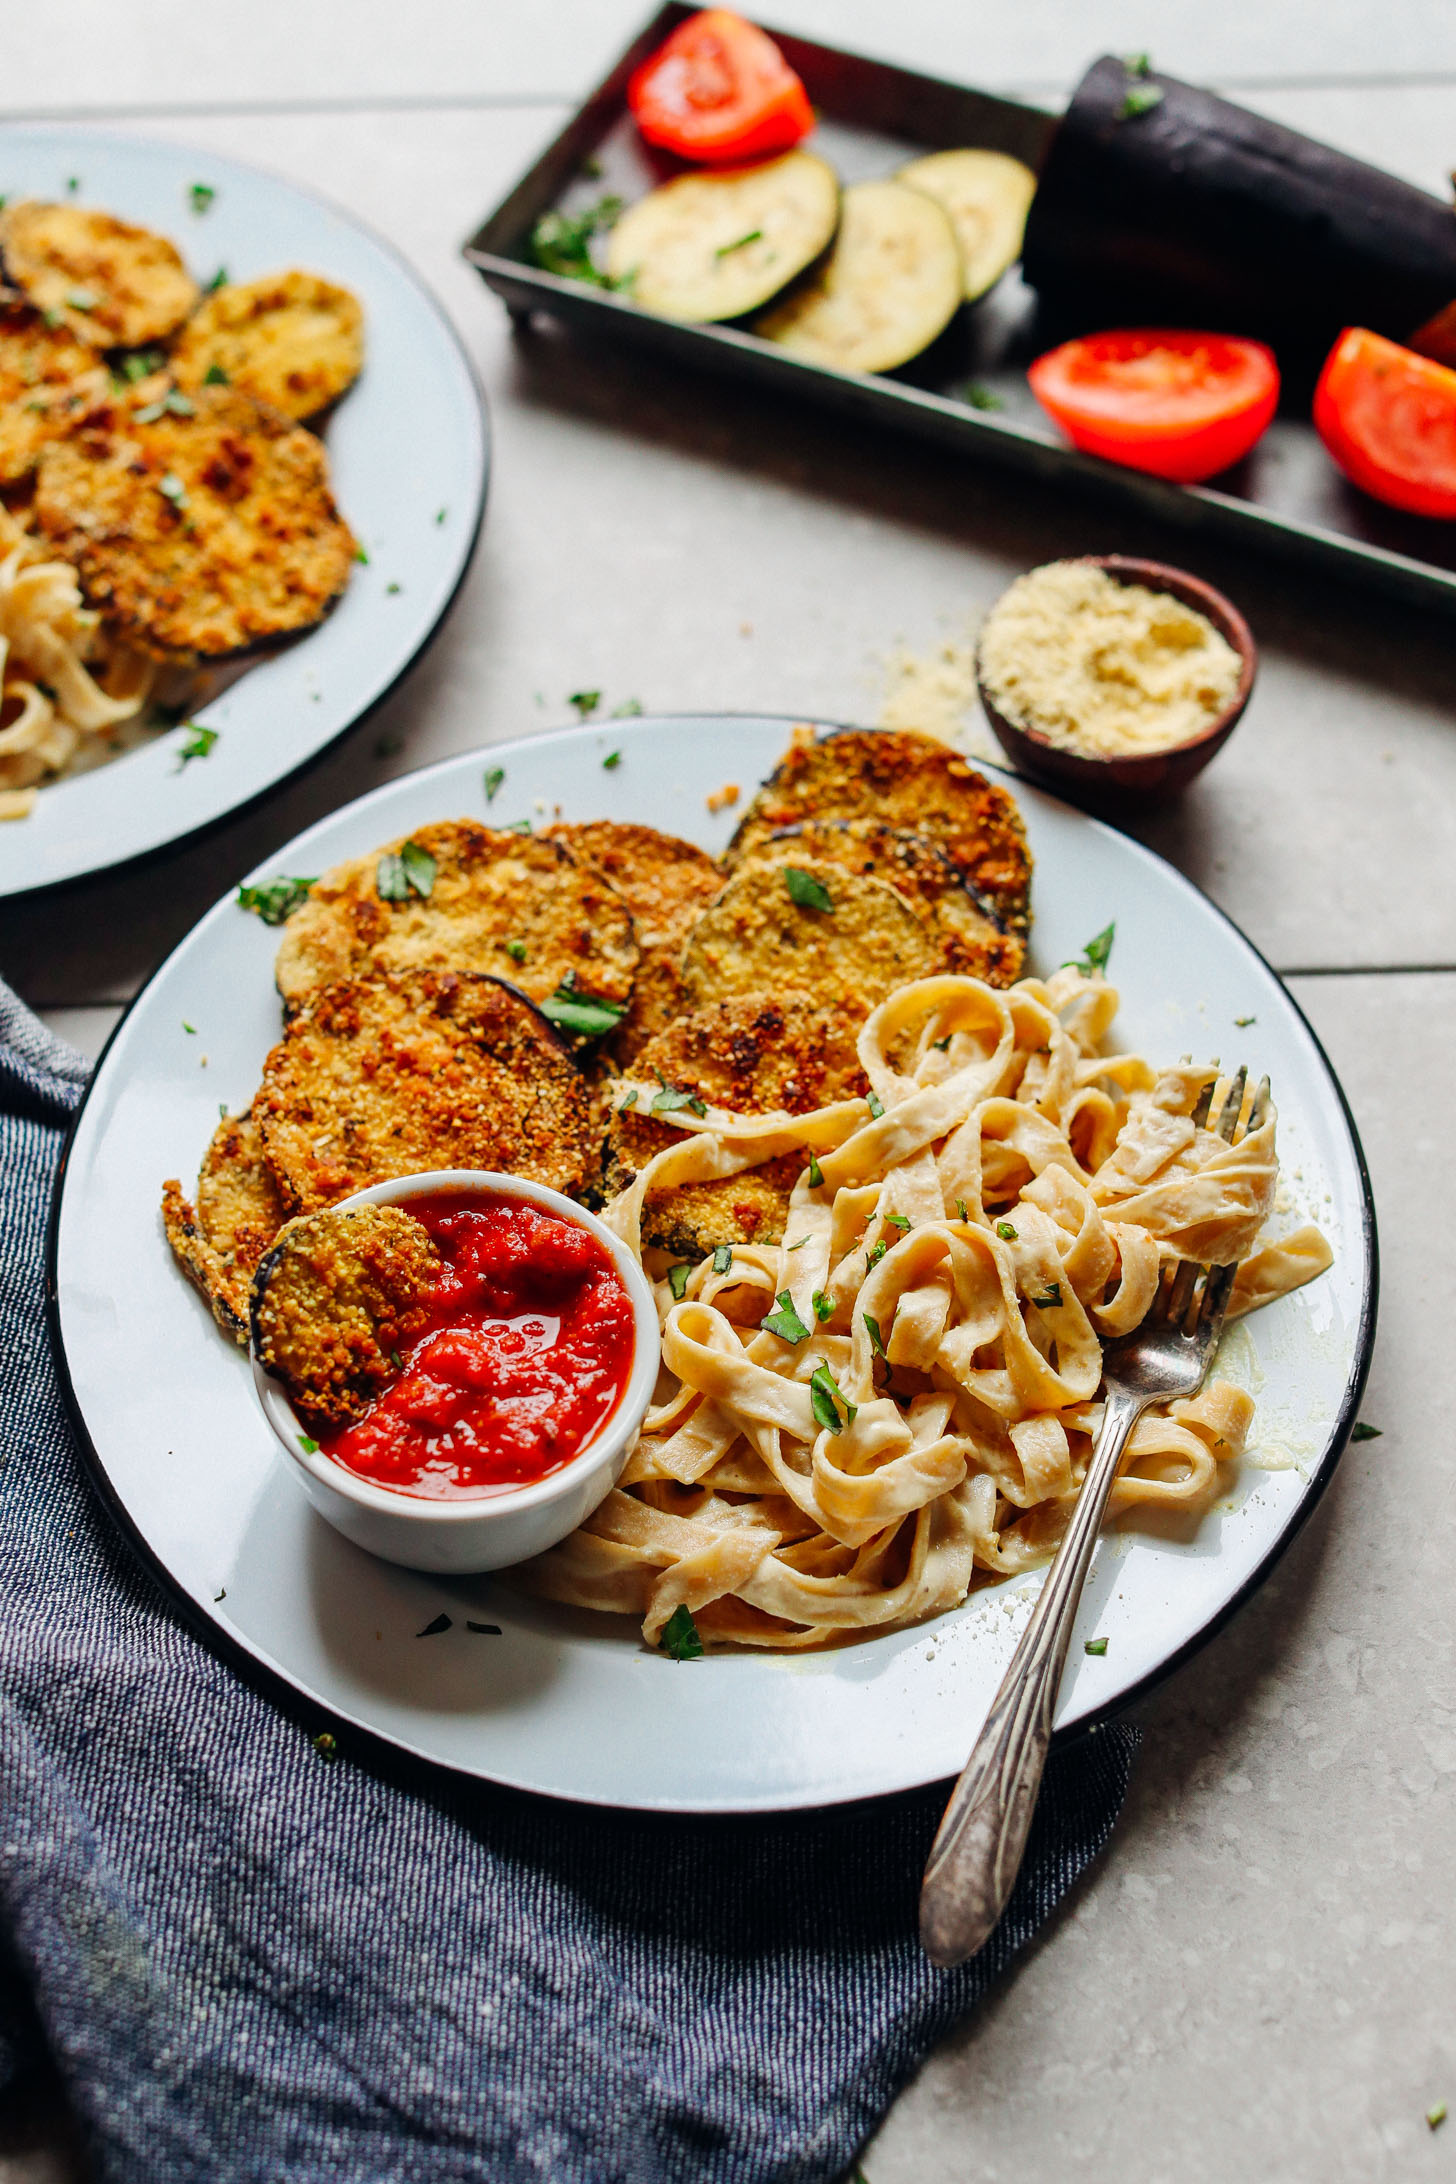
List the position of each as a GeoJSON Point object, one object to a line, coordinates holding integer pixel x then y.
{"type": "Point", "coordinates": [569, 1703]}
{"type": "Point", "coordinates": [407, 447]}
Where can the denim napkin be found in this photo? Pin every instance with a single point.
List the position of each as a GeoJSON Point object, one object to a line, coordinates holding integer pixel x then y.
{"type": "Point", "coordinates": [254, 1965]}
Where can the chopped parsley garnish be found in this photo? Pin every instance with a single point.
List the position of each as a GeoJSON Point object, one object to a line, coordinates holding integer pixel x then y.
{"type": "Point", "coordinates": [587, 1014]}
{"type": "Point", "coordinates": [396, 1361]}
{"type": "Point", "coordinates": [816, 1173]}
{"type": "Point", "coordinates": [825, 1397]}
{"type": "Point", "coordinates": [561, 243]}
{"type": "Point", "coordinates": [392, 589]}
{"type": "Point", "coordinates": [585, 702]}
{"type": "Point", "coordinates": [173, 402]}
{"type": "Point", "coordinates": [172, 488]}
{"type": "Point", "coordinates": [940, 1045]}
{"type": "Point", "coordinates": [876, 1106]}
{"type": "Point", "coordinates": [73, 183]}
{"type": "Point", "coordinates": [671, 1098]}
{"type": "Point", "coordinates": [1137, 64]}
{"type": "Point", "coordinates": [518, 826]}
{"type": "Point", "coordinates": [433, 1630]}
{"type": "Point", "coordinates": [142, 363]}
{"type": "Point", "coordinates": [200, 196]}
{"type": "Point", "coordinates": [516, 950]}
{"type": "Point", "coordinates": [823, 1306]}
{"type": "Point", "coordinates": [494, 776]}
{"type": "Point", "coordinates": [189, 1027]}
{"type": "Point", "coordinates": [1006, 1232]}
{"type": "Point", "coordinates": [975, 396]}
{"type": "Point", "coordinates": [215, 376]}
{"type": "Point", "coordinates": [629, 709]}
{"type": "Point", "coordinates": [680, 1638]}
{"type": "Point", "coordinates": [677, 1279]}
{"type": "Point", "coordinates": [1244, 1022]}
{"type": "Point", "coordinates": [219, 280]}
{"type": "Point", "coordinates": [786, 1323]}
{"type": "Point", "coordinates": [897, 1220]}
{"type": "Point", "coordinates": [1050, 1297]}
{"type": "Point", "coordinates": [309, 1447]}
{"type": "Point", "coordinates": [722, 1253]}
{"type": "Point", "coordinates": [798, 1244]}
{"type": "Point", "coordinates": [725, 250]}
{"type": "Point", "coordinates": [1140, 98]}
{"type": "Point", "coordinates": [1095, 1645]}
{"type": "Point", "coordinates": [326, 1745]}
{"type": "Point", "coordinates": [805, 890]}
{"type": "Point", "coordinates": [198, 744]}
{"type": "Point", "coordinates": [361, 553]}
{"type": "Point", "coordinates": [81, 299]}
{"type": "Point", "coordinates": [611, 762]}
{"type": "Point", "coordinates": [629, 1101]}
{"type": "Point", "coordinates": [1362, 1432]}
{"type": "Point", "coordinates": [441, 514]}
{"type": "Point", "coordinates": [1436, 2115]}
{"type": "Point", "coordinates": [401, 873]}
{"type": "Point", "coordinates": [874, 1256]}
{"type": "Point", "coordinates": [275, 900]}
{"type": "Point", "coordinates": [1094, 956]}
{"type": "Point", "coordinates": [877, 1340]}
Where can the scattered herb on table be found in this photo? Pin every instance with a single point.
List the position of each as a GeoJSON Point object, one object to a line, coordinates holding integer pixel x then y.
{"type": "Point", "coordinates": [587, 1014]}
{"type": "Point", "coordinates": [201, 195]}
{"type": "Point", "coordinates": [1436, 2115]}
{"type": "Point", "coordinates": [561, 242]}
{"type": "Point", "coordinates": [825, 1396]}
{"type": "Point", "coordinates": [199, 743]}
{"type": "Point", "coordinates": [1095, 1645]}
{"type": "Point", "coordinates": [677, 1279]}
{"type": "Point", "coordinates": [1362, 1432]}
{"type": "Point", "coordinates": [680, 1638]}
{"type": "Point", "coordinates": [275, 900]}
{"type": "Point", "coordinates": [494, 776]}
{"type": "Point", "coordinates": [361, 554]}
{"type": "Point", "coordinates": [1244, 1022]}
{"type": "Point", "coordinates": [189, 1027]}
{"type": "Point", "coordinates": [629, 709]}
{"type": "Point", "coordinates": [805, 890]}
{"type": "Point", "coordinates": [611, 762]}
{"type": "Point", "coordinates": [73, 183]}
{"type": "Point", "coordinates": [975, 396]}
{"type": "Point", "coordinates": [585, 702]}
{"type": "Point", "coordinates": [1094, 956]}
{"type": "Point", "coordinates": [786, 1323]}
{"type": "Point", "coordinates": [441, 514]}
{"type": "Point", "coordinates": [722, 1253]}
{"type": "Point", "coordinates": [223, 1594]}
{"type": "Point", "coordinates": [392, 589]}
{"type": "Point", "coordinates": [401, 873]}
{"type": "Point", "coordinates": [433, 1630]}
{"type": "Point", "coordinates": [326, 1745]}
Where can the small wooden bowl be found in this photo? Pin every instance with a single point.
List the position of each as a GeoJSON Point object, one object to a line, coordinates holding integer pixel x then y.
{"type": "Point", "coordinates": [1152, 775]}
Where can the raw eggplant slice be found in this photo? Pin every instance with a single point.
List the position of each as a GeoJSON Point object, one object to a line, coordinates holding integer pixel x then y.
{"type": "Point", "coordinates": [891, 283]}
{"type": "Point", "coordinates": [714, 246]}
{"type": "Point", "coordinates": [987, 195]}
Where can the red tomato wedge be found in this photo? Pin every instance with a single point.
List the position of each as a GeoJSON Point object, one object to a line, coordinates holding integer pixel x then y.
{"type": "Point", "coordinates": [719, 88]}
{"type": "Point", "coordinates": [1388, 417]}
{"type": "Point", "coordinates": [1182, 405]}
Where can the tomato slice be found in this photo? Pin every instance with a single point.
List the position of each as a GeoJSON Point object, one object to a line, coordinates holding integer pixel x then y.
{"type": "Point", "coordinates": [1182, 405]}
{"type": "Point", "coordinates": [719, 88]}
{"type": "Point", "coordinates": [1388, 417]}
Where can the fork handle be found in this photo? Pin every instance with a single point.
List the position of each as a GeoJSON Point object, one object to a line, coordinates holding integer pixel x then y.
{"type": "Point", "coordinates": [981, 1840]}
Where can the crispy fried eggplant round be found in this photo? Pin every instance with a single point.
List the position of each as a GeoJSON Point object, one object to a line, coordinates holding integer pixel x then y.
{"type": "Point", "coordinates": [465, 897]}
{"type": "Point", "coordinates": [903, 780]}
{"type": "Point", "coordinates": [334, 1303]}
{"type": "Point", "coordinates": [114, 285]}
{"type": "Point", "coordinates": [294, 340]}
{"type": "Point", "coordinates": [666, 883]}
{"type": "Point", "coordinates": [967, 936]}
{"type": "Point", "coordinates": [807, 927]}
{"type": "Point", "coordinates": [389, 1076]}
{"type": "Point", "coordinates": [755, 1057]}
{"type": "Point", "coordinates": [219, 1241]}
{"type": "Point", "coordinates": [201, 524]}
{"type": "Point", "coordinates": [47, 380]}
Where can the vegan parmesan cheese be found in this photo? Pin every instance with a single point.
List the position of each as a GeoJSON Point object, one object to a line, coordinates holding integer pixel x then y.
{"type": "Point", "coordinates": [1105, 669]}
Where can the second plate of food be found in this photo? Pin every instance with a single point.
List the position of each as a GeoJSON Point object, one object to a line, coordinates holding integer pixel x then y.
{"type": "Point", "coordinates": [780, 1620]}
{"type": "Point", "coordinates": [243, 461]}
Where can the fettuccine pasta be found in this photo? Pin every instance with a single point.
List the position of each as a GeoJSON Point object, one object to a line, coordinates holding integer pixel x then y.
{"type": "Point", "coordinates": [66, 686]}
{"type": "Point", "coordinates": [898, 1401]}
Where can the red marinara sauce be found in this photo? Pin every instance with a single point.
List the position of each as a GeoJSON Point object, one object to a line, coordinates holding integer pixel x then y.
{"type": "Point", "coordinates": [527, 1351]}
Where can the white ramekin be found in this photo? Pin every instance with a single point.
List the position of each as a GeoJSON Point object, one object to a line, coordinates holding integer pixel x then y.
{"type": "Point", "coordinates": [495, 1530]}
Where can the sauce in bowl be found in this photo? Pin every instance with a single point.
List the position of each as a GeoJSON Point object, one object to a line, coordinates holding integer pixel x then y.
{"type": "Point", "coordinates": [526, 1350]}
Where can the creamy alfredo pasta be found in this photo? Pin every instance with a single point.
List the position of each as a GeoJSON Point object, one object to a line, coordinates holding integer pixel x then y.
{"type": "Point", "coordinates": [858, 1424]}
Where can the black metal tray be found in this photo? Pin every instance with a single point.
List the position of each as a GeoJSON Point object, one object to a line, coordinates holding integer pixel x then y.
{"type": "Point", "coordinates": [1286, 496]}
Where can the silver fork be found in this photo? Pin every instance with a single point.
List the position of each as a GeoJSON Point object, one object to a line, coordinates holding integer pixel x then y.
{"type": "Point", "coordinates": [978, 1848]}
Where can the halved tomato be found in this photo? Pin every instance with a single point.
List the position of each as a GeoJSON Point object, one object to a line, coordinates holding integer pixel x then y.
{"type": "Point", "coordinates": [719, 88]}
{"type": "Point", "coordinates": [1182, 405]}
{"type": "Point", "coordinates": [1388, 417]}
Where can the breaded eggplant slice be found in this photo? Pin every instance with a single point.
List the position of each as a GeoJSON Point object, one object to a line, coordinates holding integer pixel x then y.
{"type": "Point", "coordinates": [114, 285]}
{"type": "Point", "coordinates": [293, 339]}
{"type": "Point", "coordinates": [518, 906]}
{"type": "Point", "coordinates": [666, 883]}
{"type": "Point", "coordinates": [334, 1297]}
{"type": "Point", "coordinates": [754, 1057]}
{"type": "Point", "coordinates": [203, 531]}
{"type": "Point", "coordinates": [962, 928]}
{"type": "Point", "coordinates": [856, 940]}
{"type": "Point", "coordinates": [220, 1241]}
{"type": "Point", "coordinates": [389, 1076]}
{"type": "Point", "coordinates": [47, 380]}
{"type": "Point", "coordinates": [904, 780]}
